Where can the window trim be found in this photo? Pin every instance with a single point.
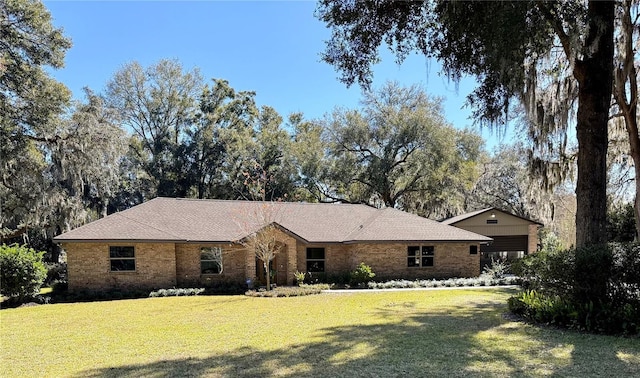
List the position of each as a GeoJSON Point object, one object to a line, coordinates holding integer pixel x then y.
{"type": "Point", "coordinates": [420, 256]}
{"type": "Point", "coordinates": [111, 259]}
{"type": "Point", "coordinates": [323, 259]}
{"type": "Point", "coordinates": [220, 263]}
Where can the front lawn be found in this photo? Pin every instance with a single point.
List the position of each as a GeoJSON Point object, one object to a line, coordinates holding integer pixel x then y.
{"type": "Point", "coordinates": [368, 334]}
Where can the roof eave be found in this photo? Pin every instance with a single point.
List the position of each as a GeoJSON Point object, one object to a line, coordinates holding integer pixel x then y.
{"type": "Point", "coordinates": [483, 241]}
{"type": "Point", "coordinates": [480, 212]}
{"type": "Point", "coordinates": [109, 240]}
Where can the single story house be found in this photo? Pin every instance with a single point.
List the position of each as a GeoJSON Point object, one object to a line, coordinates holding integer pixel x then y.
{"type": "Point", "coordinates": [173, 242]}
{"type": "Point", "coordinates": [513, 236]}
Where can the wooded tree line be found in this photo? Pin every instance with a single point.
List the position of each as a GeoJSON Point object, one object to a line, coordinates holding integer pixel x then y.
{"type": "Point", "coordinates": [164, 130]}
{"type": "Point", "coordinates": [566, 64]}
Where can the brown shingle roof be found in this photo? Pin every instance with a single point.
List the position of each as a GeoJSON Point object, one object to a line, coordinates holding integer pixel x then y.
{"type": "Point", "coordinates": [461, 217]}
{"type": "Point", "coordinates": [464, 216]}
{"type": "Point", "coordinates": [190, 220]}
{"type": "Point", "coordinates": [395, 225]}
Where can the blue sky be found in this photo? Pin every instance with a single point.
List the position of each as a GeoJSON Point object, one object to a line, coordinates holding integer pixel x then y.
{"type": "Point", "coordinates": [271, 47]}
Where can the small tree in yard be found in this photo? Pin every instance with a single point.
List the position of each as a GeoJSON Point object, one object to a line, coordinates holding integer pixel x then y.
{"type": "Point", "coordinates": [265, 244]}
{"type": "Point", "coordinates": [22, 271]}
{"type": "Point", "coordinates": [260, 221]}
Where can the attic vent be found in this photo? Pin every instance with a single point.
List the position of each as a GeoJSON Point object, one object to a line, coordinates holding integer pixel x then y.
{"type": "Point", "coordinates": [492, 221]}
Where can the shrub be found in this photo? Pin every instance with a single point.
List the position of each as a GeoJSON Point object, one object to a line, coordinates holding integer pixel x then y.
{"type": "Point", "coordinates": [56, 273]}
{"type": "Point", "coordinates": [591, 274]}
{"type": "Point", "coordinates": [621, 223]}
{"type": "Point", "coordinates": [451, 282]}
{"type": "Point", "coordinates": [541, 308]}
{"type": "Point", "coordinates": [176, 292]}
{"type": "Point", "coordinates": [497, 269]}
{"type": "Point", "coordinates": [315, 278]}
{"type": "Point", "coordinates": [299, 277]}
{"type": "Point", "coordinates": [590, 316]}
{"type": "Point", "coordinates": [339, 278]}
{"type": "Point", "coordinates": [546, 270]}
{"type": "Point", "coordinates": [289, 291]}
{"type": "Point", "coordinates": [625, 282]}
{"type": "Point", "coordinates": [362, 274]}
{"type": "Point", "coordinates": [22, 271]}
{"type": "Point", "coordinates": [596, 288]}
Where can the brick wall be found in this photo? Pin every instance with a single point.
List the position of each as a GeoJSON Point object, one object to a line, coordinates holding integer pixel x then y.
{"type": "Point", "coordinates": [336, 257]}
{"type": "Point", "coordinates": [287, 261]}
{"type": "Point", "coordinates": [390, 260]}
{"type": "Point", "coordinates": [533, 238]}
{"type": "Point", "coordinates": [165, 265]}
{"type": "Point", "coordinates": [188, 265]}
{"type": "Point", "coordinates": [89, 267]}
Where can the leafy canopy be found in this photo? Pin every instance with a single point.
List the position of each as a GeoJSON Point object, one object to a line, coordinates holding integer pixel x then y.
{"type": "Point", "coordinates": [399, 151]}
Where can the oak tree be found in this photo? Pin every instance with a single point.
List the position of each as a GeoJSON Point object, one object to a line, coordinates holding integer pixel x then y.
{"type": "Point", "coordinates": [507, 46]}
{"type": "Point", "coordinates": [399, 151]}
{"type": "Point", "coordinates": [158, 103]}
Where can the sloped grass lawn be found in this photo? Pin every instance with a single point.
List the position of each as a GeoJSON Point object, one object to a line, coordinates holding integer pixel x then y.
{"type": "Point", "coordinates": [370, 334]}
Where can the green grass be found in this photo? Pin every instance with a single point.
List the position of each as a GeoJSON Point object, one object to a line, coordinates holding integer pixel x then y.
{"type": "Point", "coordinates": [383, 334]}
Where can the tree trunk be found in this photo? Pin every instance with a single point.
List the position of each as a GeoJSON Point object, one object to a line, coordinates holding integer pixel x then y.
{"type": "Point", "coordinates": [105, 208]}
{"type": "Point", "coordinates": [637, 200]}
{"type": "Point", "coordinates": [267, 274]}
{"type": "Point", "coordinates": [595, 77]}
{"type": "Point", "coordinates": [631, 123]}
{"type": "Point", "coordinates": [625, 79]}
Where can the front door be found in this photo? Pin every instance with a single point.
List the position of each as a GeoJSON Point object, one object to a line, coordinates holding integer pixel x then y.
{"type": "Point", "coordinates": [261, 274]}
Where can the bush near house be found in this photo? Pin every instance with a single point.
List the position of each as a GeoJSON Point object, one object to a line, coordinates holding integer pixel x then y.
{"type": "Point", "coordinates": [289, 291]}
{"type": "Point", "coordinates": [595, 289]}
{"type": "Point", "coordinates": [362, 274]}
{"type": "Point", "coordinates": [483, 280]}
{"type": "Point", "coordinates": [176, 292]}
{"type": "Point", "coordinates": [22, 272]}
{"type": "Point", "coordinates": [56, 272]}
{"type": "Point", "coordinates": [334, 278]}
{"type": "Point", "coordinates": [299, 276]}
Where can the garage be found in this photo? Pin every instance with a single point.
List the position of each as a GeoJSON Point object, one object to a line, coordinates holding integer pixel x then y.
{"type": "Point", "coordinates": [513, 236]}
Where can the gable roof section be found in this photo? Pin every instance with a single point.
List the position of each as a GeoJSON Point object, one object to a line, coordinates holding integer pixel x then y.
{"type": "Point", "coordinates": [461, 217]}
{"type": "Point", "coordinates": [192, 220]}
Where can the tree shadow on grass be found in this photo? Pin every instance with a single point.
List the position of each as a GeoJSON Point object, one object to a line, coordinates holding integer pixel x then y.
{"type": "Point", "coordinates": [473, 340]}
{"type": "Point", "coordinates": [519, 349]}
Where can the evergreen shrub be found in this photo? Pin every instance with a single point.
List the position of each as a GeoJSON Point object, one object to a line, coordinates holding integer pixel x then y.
{"type": "Point", "coordinates": [22, 272]}
{"type": "Point", "coordinates": [595, 289]}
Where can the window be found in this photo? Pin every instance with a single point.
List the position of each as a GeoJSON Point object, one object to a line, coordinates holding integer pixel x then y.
{"type": "Point", "coordinates": [315, 259]}
{"type": "Point", "coordinates": [473, 250]}
{"type": "Point", "coordinates": [123, 259]}
{"type": "Point", "coordinates": [211, 260]}
{"type": "Point", "coordinates": [492, 221]}
{"type": "Point", "coordinates": [418, 256]}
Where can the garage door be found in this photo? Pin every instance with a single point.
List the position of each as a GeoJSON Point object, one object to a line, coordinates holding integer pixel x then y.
{"type": "Point", "coordinates": [507, 243]}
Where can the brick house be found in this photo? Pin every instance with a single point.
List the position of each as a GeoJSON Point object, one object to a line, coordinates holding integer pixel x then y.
{"type": "Point", "coordinates": [170, 242]}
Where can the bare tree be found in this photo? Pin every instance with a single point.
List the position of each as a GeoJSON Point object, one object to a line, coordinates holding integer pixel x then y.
{"type": "Point", "coordinates": [259, 221]}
